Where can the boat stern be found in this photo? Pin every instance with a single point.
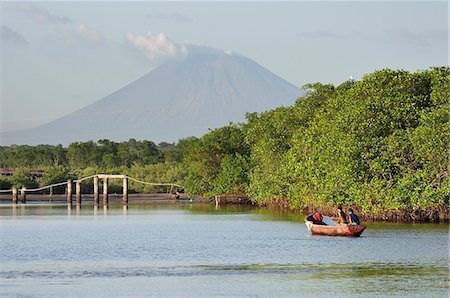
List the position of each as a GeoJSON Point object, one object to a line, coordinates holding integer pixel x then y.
{"type": "Point", "coordinates": [309, 225]}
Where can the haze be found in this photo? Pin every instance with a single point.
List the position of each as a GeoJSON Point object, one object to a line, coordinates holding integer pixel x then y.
{"type": "Point", "coordinates": [58, 57]}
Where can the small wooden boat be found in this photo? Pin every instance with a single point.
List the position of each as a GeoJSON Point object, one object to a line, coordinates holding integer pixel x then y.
{"type": "Point", "coordinates": [331, 229]}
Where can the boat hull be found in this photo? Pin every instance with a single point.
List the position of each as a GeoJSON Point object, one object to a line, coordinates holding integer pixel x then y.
{"type": "Point", "coordinates": [338, 230]}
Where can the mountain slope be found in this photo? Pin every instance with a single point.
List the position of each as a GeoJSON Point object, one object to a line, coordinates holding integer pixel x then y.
{"type": "Point", "coordinates": [207, 89]}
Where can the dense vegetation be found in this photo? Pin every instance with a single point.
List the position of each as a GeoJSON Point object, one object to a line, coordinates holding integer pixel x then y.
{"type": "Point", "coordinates": [380, 143]}
{"type": "Point", "coordinates": [139, 159]}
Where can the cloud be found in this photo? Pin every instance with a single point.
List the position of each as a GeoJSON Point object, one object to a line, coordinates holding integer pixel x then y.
{"type": "Point", "coordinates": [83, 33]}
{"type": "Point", "coordinates": [10, 36]}
{"type": "Point", "coordinates": [174, 16]}
{"type": "Point", "coordinates": [423, 38]}
{"type": "Point", "coordinates": [319, 34]}
{"type": "Point", "coordinates": [88, 33]}
{"type": "Point", "coordinates": [156, 48]}
{"type": "Point", "coordinates": [41, 15]}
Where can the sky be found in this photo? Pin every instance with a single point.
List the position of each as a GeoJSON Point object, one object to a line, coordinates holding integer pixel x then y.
{"type": "Point", "coordinates": [57, 57]}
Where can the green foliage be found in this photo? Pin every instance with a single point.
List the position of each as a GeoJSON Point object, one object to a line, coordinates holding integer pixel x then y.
{"type": "Point", "coordinates": [21, 178]}
{"type": "Point", "coordinates": [5, 183]}
{"type": "Point", "coordinates": [268, 136]}
{"type": "Point", "coordinates": [206, 159]}
{"type": "Point", "coordinates": [29, 156]}
{"type": "Point", "coordinates": [82, 159]}
{"type": "Point", "coordinates": [380, 143]}
{"type": "Point", "coordinates": [54, 175]}
{"type": "Point", "coordinates": [232, 177]}
{"type": "Point", "coordinates": [174, 153]}
{"type": "Point", "coordinates": [109, 154]}
{"type": "Point", "coordinates": [161, 173]}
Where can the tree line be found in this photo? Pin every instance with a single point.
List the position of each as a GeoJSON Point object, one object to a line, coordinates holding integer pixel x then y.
{"type": "Point", "coordinates": [380, 143]}
{"type": "Point", "coordinates": [140, 159]}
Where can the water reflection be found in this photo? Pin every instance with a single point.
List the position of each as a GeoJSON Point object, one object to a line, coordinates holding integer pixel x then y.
{"type": "Point", "coordinates": [239, 250]}
{"type": "Point", "coordinates": [308, 270]}
{"type": "Point", "coordinates": [23, 210]}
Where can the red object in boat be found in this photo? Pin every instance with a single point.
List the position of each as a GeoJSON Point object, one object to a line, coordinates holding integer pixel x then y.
{"type": "Point", "coordinates": [337, 230]}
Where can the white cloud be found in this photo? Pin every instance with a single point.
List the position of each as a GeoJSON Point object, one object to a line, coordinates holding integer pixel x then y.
{"type": "Point", "coordinates": [88, 33]}
{"type": "Point", "coordinates": [41, 15]}
{"type": "Point", "coordinates": [156, 47]}
{"type": "Point", "coordinates": [84, 34]}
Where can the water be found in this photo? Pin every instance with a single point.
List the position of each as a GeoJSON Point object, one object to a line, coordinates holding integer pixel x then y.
{"type": "Point", "coordinates": [184, 250]}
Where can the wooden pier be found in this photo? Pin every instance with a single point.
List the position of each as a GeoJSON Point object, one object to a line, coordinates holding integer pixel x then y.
{"type": "Point", "coordinates": [78, 195]}
{"type": "Point", "coordinates": [96, 193]}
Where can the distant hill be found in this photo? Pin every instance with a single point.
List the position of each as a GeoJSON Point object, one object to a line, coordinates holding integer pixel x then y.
{"type": "Point", "coordinates": [207, 89]}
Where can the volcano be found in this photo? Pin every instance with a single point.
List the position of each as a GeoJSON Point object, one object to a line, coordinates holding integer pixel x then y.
{"type": "Point", "coordinates": [207, 89]}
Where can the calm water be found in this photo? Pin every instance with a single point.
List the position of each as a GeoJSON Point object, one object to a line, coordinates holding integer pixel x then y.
{"type": "Point", "coordinates": [197, 251]}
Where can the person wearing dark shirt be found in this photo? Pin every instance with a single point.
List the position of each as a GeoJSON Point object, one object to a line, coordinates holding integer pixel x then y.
{"type": "Point", "coordinates": [354, 220]}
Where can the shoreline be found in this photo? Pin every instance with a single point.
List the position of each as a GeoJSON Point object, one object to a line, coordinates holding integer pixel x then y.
{"type": "Point", "coordinates": [115, 197]}
{"type": "Point", "coordinates": [435, 214]}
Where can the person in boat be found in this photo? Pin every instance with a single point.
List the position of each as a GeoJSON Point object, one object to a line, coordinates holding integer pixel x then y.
{"type": "Point", "coordinates": [341, 217]}
{"type": "Point", "coordinates": [316, 218]}
{"type": "Point", "coordinates": [354, 219]}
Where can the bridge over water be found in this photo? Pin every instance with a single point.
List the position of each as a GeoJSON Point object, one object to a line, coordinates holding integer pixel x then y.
{"type": "Point", "coordinates": [78, 196]}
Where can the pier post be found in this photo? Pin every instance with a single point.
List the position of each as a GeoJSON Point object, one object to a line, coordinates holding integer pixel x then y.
{"type": "Point", "coordinates": [14, 195]}
{"type": "Point", "coordinates": [50, 194]}
{"type": "Point", "coordinates": [125, 191]}
{"type": "Point", "coordinates": [69, 192]}
{"type": "Point", "coordinates": [78, 192]}
{"type": "Point", "coordinates": [23, 194]}
{"type": "Point", "coordinates": [105, 191]}
{"type": "Point", "coordinates": [95, 190]}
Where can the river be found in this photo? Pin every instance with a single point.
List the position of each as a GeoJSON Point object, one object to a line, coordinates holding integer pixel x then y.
{"type": "Point", "coordinates": [178, 249]}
